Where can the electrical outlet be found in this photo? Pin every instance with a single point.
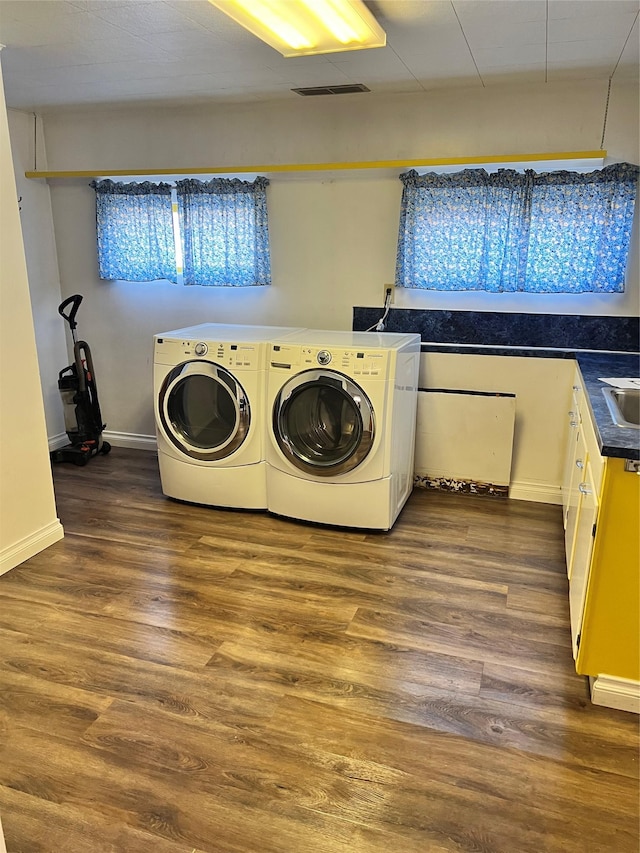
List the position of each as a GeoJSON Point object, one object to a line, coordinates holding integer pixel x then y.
{"type": "Point", "coordinates": [387, 288]}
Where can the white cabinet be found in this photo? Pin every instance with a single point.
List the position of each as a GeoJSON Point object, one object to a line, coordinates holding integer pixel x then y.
{"type": "Point", "coordinates": [578, 460]}
{"type": "Point", "coordinates": [601, 501]}
{"type": "Point", "coordinates": [583, 536]}
{"type": "Point", "coordinates": [570, 455]}
{"type": "Point", "coordinates": [580, 489]}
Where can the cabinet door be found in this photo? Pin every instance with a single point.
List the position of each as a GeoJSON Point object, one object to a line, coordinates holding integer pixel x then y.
{"type": "Point", "coordinates": [574, 422]}
{"type": "Point", "coordinates": [578, 467]}
{"type": "Point", "coordinates": [587, 512]}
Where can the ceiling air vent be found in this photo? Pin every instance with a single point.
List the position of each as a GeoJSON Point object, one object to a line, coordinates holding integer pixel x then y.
{"type": "Point", "coordinates": [347, 89]}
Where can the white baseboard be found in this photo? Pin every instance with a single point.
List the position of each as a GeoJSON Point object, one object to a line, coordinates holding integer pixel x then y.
{"type": "Point", "coordinates": [58, 441]}
{"type": "Point", "coordinates": [130, 439]}
{"type": "Point", "coordinates": [117, 439]}
{"type": "Point", "coordinates": [620, 693]}
{"type": "Point", "coordinates": [543, 493]}
{"type": "Point", "coordinates": [30, 545]}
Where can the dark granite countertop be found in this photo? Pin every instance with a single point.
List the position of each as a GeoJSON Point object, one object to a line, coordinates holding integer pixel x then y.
{"type": "Point", "coordinates": [485, 349]}
{"type": "Point", "coordinates": [504, 333]}
{"type": "Point", "coordinates": [613, 440]}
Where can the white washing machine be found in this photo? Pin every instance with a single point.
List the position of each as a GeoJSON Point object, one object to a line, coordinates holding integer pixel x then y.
{"type": "Point", "coordinates": [209, 398]}
{"type": "Point", "coordinates": [341, 410]}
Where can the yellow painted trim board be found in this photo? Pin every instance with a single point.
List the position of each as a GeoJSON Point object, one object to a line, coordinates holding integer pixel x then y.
{"type": "Point", "coordinates": [611, 625]}
{"type": "Point", "coordinates": [323, 167]}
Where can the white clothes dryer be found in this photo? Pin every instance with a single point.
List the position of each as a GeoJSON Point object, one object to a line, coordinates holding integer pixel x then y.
{"type": "Point", "coordinates": [341, 409]}
{"type": "Point", "coordinates": [209, 397]}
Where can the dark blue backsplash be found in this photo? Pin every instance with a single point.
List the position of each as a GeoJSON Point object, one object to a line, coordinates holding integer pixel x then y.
{"type": "Point", "coordinates": [495, 330]}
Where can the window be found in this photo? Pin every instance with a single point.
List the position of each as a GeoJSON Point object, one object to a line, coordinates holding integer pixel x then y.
{"type": "Point", "coordinates": [225, 235]}
{"type": "Point", "coordinates": [557, 232]}
{"type": "Point", "coordinates": [135, 232]}
{"type": "Point", "coordinates": [193, 232]}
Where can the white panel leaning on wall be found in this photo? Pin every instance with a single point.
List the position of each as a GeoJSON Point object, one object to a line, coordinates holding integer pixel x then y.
{"type": "Point", "coordinates": [464, 441]}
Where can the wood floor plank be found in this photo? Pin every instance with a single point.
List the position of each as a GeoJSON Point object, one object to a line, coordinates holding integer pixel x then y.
{"type": "Point", "coordinates": [485, 538]}
{"type": "Point", "coordinates": [477, 639]}
{"type": "Point", "coordinates": [121, 636]}
{"type": "Point", "coordinates": [462, 603]}
{"type": "Point", "coordinates": [78, 555]}
{"type": "Point", "coordinates": [124, 524]}
{"type": "Point", "coordinates": [562, 690]}
{"type": "Point", "coordinates": [588, 801]}
{"type": "Point", "coordinates": [176, 691]}
{"type": "Point", "coordinates": [294, 781]}
{"type": "Point", "coordinates": [397, 580]}
{"type": "Point", "coordinates": [390, 696]}
{"type": "Point", "coordinates": [526, 728]}
{"type": "Point", "coordinates": [185, 679]}
{"type": "Point", "coordinates": [317, 590]}
{"type": "Point", "coordinates": [346, 654]}
{"type": "Point", "coordinates": [525, 597]}
{"type": "Point", "coordinates": [163, 803]}
{"type": "Point", "coordinates": [456, 559]}
{"type": "Point", "coordinates": [36, 825]}
{"type": "Point", "coordinates": [230, 768]}
{"type": "Point", "coordinates": [167, 599]}
{"type": "Point", "coordinates": [41, 705]}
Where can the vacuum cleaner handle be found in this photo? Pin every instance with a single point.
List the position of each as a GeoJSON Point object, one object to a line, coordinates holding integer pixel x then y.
{"type": "Point", "coordinates": [76, 299]}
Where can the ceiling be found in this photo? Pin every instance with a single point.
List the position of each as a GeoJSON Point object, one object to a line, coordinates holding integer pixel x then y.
{"type": "Point", "coordinates": [87, 53]}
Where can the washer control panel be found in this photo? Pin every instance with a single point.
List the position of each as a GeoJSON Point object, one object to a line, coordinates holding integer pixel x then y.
{"type": "Point", "coordinates": [249, 356]}
{"type": "Point", "coordinates": [352, 362]}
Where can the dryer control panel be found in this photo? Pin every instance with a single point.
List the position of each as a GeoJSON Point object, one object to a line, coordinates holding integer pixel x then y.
{"type": "Point", "coordinates": [247, 356]}
{"type": "Point", "coordinates": [372, 363]}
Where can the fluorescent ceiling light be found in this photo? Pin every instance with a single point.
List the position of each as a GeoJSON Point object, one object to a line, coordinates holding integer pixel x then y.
{"type": "Point", "coordinates": [305, 27]}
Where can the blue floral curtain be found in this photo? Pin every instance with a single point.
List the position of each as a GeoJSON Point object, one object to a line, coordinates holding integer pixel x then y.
{"type": "Point", "coordinates": [580, 227]}
{"type": "Point", "coordinates": [556, 232]}
{"type": "Point", "coordinates": [225, 237]}
{"type": "Point", "coordinates": [135, 231]}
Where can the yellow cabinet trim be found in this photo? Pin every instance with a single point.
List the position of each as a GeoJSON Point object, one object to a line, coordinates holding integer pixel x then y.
{"type": "Point", "coordinates": [610, 633]}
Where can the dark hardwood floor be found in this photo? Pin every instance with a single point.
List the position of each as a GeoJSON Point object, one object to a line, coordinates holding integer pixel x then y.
{"type": "Point", "coordinates": [177, 678]}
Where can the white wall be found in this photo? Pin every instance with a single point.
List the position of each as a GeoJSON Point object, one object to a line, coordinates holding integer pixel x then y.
{"type": "Point", "coordinates": [36, 217]}
{"type": "Point", "coordinates": [28, 521]}
{"type": "Point", "coordinates": [445, 123]}
{"type": "Point", "coordinates": [333, 236]}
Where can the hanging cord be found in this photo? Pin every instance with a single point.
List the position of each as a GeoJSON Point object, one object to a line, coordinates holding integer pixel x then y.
{"type": "Point", "coordinates": [606, 109]}
{"type": "Point", "coordinates": [606, 112]}
{"type": "Point", "coordinates": [379, 325]}
{"type": "Point", "coordinates": [35, 142]}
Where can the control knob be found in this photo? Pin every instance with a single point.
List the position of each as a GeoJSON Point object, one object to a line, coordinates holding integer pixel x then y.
{"type": "Point", "coordinates": [201, 348]}
{"type": "Point", "coordinates": [324, 357]}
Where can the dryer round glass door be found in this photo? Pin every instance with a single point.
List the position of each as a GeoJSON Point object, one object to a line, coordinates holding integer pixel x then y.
{"type": "Point", "coordinates": [204, 410]}
{"type": "Point", "coordinates": [323, 423]}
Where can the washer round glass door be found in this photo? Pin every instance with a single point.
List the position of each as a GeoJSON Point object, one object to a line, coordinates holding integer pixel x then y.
{"type": "Point", "coordinates": [323, 423]}
{"type": "Point", "coordinates": [204, 410]}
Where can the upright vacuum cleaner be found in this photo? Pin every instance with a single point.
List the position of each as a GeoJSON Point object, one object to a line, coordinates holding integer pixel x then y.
{"type": "Point", "coordinates": [77, 386]}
